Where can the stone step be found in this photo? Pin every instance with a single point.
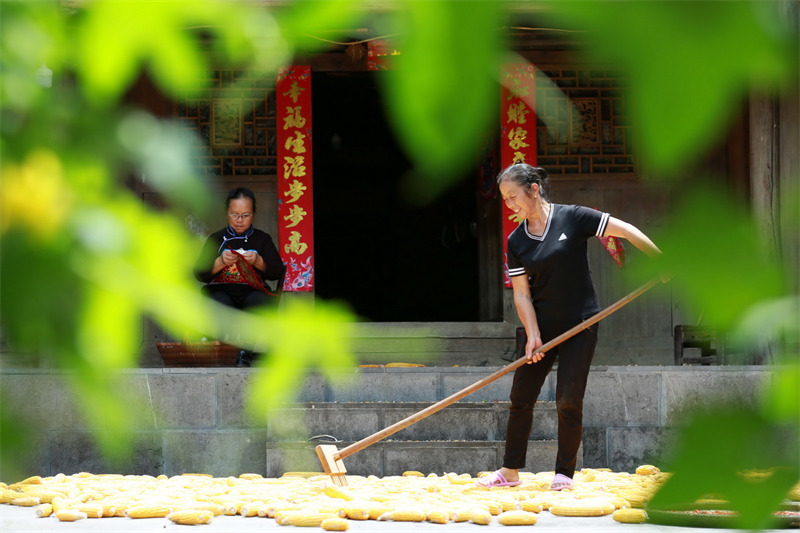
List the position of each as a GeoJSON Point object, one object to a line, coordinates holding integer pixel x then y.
{"type": "Point", "coordinates": [462, 421]}
{"type": "Point", "coordinates": [392, 458]}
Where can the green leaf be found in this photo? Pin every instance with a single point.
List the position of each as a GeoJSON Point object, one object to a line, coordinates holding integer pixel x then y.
{"type": "Point", "coordinates": [736, 455]}
{"type": "Point", "coordinates": [308, 25]}
{"type": "Point", "coordinates": [303, 336]}
{"type": "Point", "coordinates": [688, 64]}
{"type": "Point", "coordinates": [443, 92]}
{"type": "Point", "coordinates": [718, 262]}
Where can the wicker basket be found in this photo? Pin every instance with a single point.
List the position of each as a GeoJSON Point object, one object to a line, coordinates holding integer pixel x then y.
{"type": "Point", "coordinates": [205, 353]}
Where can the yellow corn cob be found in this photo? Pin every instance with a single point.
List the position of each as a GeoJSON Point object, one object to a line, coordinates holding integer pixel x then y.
{"type": "Point", "coordinates": [273, 510]}
{"type": "Point", "coordinates": [3, 486]}
{"type": "Point", "coordinates": [460, 515]}
{"type": "Point", "coordinates": [480, 516]}
{"type": "Point", "coordinates": [494, 507]}
{"type": "Point", "coordinates": [794, 494]}
{"type": "Point", "coordinates": [582, 507]}
{"type": "Point", "coordinates": [517, 518]}
{"type": "Point", "coordinates": [530, 506]}
{"type": "Point", "coordinates": [403, 365]}
{"type": "Point", "coordinates": [8, 496]}
{"type": "Point", "coordinates": [404, 514]}
{"type": "Point", "coordinates": [26, 501]}
{"type": "Point", "coordinates": [92, 510]}
{"type": "Point", "coordinates": [215, 508]}
{"type": "Point", "coordinates": [630, 516]}
{"type": "Point", "coordinates": [250, 476]}
{"type": "Point", "coordinates": [354, 513]}
{"type": "Point", "coordinates": [438, 516]}
{"type": "Point", "coordinates": [249, 510]}
{"type": "Point", "coordinates": [335, 524]}
{"type": "Point", "coordinates": [332, 491]}
{"type": "Point", "coordinates": [33, 480]}
{"type": "Point", "coordinates": [509, 505]}
{"type": "Point", "coordinates": [647, 470]}
{"type": "Point", "coordinates": [147, 511]}
{"type": "Point", "coordinates": [636, 498]}
{"type": "Point", "coordinates": [191, 517]}
{"type": "Point", "coordinates": [282, 516]}
{"type": "Point", "coordinates": [43, 510]}
{"type": "Point", "coordinates": [306, 519]}
{"type": "Point", "coordinates": [413, 473]}
{"type": "Point", "coordinates": [46, 496]}
{"type": "Point", "coordinates": [70, 515]}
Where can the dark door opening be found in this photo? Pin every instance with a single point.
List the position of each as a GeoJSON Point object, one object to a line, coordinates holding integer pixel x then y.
{"type": "Point", "coordinates": [391, 261]}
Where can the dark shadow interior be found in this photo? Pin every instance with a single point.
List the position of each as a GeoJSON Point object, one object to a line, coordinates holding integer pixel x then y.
{"type": "Point", "coordinates": [391, 261]}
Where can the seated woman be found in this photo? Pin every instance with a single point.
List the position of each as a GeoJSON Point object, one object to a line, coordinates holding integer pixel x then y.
{"type": "Point", "coordinates": [216, 266]}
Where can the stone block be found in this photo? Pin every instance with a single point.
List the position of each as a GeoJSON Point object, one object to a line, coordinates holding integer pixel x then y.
{"type": "Point", "coordinates": [386, 385]}
{"type": "Point", "coordinates": [285, 457]}
{"type": "Point", "coordinates": [77, 451]}
{"type": "Point", "coordinates": [456, 422]}
{"type": "Point", "coordinates": [595, 451]}
{"type": "Point", "coordinates": [177, 400]}
{"type": "Point", "coordinates": [25, 454]}
{"type": "Point", "coordinates": [40, 400]}
{"type": "Point", "coordinates": [232, 390]}
{"type": "Point", "coordinates": [545, 421]}
{"type": "Point", "coordinates": [345, 422]}
{"type": "Point", "coordinates": [219, 453]}
{"type": "Point", "coordinates": [631, 447]}
{"type": "Point", "coordinates": [701, 389]}
{"type": "Point", "coordinates": [496, 391]}
{"type": "Point", "coordinates": [438, 457]}
{"type": "Point", "coordinates": [541, 456]}
{"type": "Point", "coordinates": [622, 399]}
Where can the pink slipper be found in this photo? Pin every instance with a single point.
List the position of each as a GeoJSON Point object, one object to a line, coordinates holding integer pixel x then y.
{"type": "Point", "coordinates": [496, 480]}
{"type": "Point", "coordinates": [561, 482]}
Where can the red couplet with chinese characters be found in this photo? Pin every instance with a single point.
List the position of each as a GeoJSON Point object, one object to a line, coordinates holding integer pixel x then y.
{"type": "Point", "coordinates": [295, 191]}
{"type": "Point", "coordinates": [517, 131]}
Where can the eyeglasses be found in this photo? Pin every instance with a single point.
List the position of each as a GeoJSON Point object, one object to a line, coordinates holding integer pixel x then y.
{"type": "Point", "coordinates": [243, 216]}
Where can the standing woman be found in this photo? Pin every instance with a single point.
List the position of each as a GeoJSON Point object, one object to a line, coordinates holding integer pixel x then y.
{"type": "Point", "coordinates": [216, 264]}
{"type": "Point", "coordinates": [553, 291]}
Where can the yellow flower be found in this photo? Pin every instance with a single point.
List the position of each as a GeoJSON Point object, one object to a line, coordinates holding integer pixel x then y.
{"type": "Point", "coordinates": [35, 195]}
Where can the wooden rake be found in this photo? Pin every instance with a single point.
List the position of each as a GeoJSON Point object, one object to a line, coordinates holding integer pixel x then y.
{"type": "Point", "coordinates": [332, 459]}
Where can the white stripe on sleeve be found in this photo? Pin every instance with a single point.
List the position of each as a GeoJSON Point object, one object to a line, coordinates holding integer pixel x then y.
{"type": "Point", "coordinates": [601, 228]}
{"type": "Point", "coordinates": [512, 272]}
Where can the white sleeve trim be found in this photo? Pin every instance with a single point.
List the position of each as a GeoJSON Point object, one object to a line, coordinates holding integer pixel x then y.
{"type": "Point", "coordinates": [513, 272]}
{"type": "Point", "coordinates": [601, 228]}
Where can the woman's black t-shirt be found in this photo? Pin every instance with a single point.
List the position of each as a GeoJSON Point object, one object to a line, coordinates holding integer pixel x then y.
{"type": "Point", "coordinates": [557, 265]}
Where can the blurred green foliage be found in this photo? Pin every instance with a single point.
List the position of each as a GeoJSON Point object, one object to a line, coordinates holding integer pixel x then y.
{"type": "Point", "coordinates": [82, 260]}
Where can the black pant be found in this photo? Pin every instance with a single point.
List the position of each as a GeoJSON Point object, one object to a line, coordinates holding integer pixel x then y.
{"type": "Point", "coordinates": [574, 360]}
{"type": "Point", "coordinates": [237, 295]}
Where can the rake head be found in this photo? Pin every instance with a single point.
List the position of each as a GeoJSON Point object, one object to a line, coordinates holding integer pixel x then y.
{"type": "Point", "coordinates": [332, 464]}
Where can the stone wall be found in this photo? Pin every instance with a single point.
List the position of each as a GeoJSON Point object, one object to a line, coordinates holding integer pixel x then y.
{"type": "Point", "coordinates": [192, 420]}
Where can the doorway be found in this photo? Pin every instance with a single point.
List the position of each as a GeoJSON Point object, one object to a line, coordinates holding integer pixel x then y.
{"type": "Point", "coordinates": [389, 260]}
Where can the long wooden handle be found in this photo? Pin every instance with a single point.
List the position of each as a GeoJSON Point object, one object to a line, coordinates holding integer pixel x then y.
{"type": "Point", "coordinates": [438, 406]}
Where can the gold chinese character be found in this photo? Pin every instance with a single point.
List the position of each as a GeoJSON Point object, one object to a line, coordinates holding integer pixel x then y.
{"type": "Point", "coordinates": [296, 144]}
{"type": "Point", "coordinates": [518, 89]}
{"type": "Point", "coordinates": [294, 91]}
{"type": "Point", "coordinates": [294, 166]}
{"type": "Point", "coordinates": [296, 215]}
{"type": "Point", "coordinates": [295, 246]}
{"type": "Point", "coordinates": [295, 191]}
{"type": "Point", "coordinates": [293, 118]}
{"type": "Point", "coordinates": [519, 157]}
{"type": "Point", "coordinates": [517, 112]}
{"type": "Point", "coordinates": [516, 138]}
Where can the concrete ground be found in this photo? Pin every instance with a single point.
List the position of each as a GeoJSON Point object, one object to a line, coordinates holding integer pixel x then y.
{"type": "Point", "coordinates": [23, 520]}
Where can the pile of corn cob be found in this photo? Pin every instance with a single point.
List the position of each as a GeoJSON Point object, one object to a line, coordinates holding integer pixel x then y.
{"type": "Point", "coordinates": [310, 499]}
